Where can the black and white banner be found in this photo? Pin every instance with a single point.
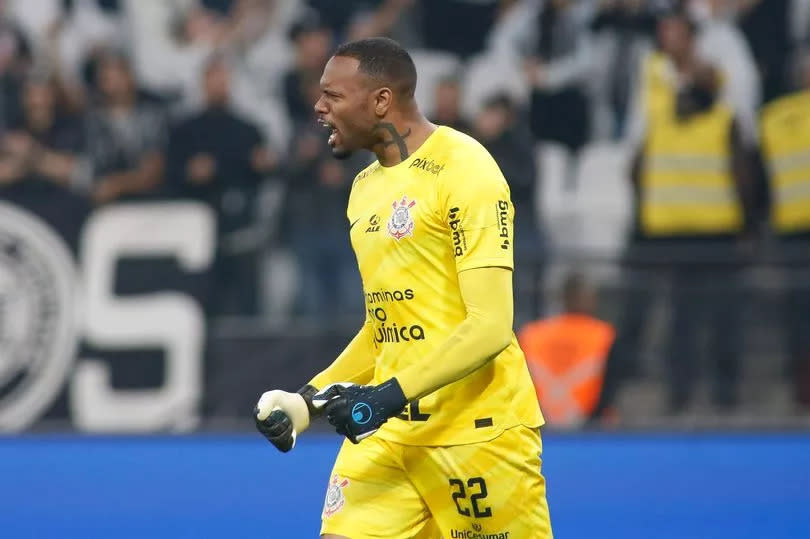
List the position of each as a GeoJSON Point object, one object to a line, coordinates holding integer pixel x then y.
{"type": "Point", "coordinates": [106, 328]}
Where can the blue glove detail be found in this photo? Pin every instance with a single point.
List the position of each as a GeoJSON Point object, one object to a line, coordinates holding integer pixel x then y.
{"type": "Point", "coordinates": [358, 411]}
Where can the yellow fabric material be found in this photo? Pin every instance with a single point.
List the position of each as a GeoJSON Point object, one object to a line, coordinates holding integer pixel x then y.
{"type": "Point", "coordinates": [419, 230]}
{"type": "Point", "coordinates": [786, 147]}
{"type": "Point", "coordinates": [355, 364]}
{"type": "Point", "coordinates": [380, 488]}
{"type": "Point", "coordinates": [482, 335]}
{"type": "Point", "coordinates": [686, 182]}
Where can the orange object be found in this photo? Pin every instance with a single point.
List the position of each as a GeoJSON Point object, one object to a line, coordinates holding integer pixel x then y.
{"type": "Point", "coordinates": [566, 355]}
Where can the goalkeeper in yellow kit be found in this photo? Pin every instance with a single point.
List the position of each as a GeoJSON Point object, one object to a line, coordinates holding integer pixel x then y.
{"type": "Point", "coordinates": [435, 373]}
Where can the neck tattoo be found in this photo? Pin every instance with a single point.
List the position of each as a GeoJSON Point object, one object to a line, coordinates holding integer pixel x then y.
{"type": "Point", "coordinates": [396, 138]}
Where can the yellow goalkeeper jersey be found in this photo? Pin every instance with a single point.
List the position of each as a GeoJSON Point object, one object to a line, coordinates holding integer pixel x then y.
{"type": "Point", "coordinates": [414, 227]}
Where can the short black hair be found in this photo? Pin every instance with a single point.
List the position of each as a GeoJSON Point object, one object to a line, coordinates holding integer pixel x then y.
{"type": "Point", "coordinates": [384, 60]}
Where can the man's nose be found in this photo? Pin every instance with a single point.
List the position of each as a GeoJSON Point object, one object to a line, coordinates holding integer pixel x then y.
{"type": "Point", "coordinates": [319, 106]}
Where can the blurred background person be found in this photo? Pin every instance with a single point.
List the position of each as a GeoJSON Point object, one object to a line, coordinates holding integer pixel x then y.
{"type": "Point", "coordinates": [786, 152]}
{"type": "Point", "coordinates": [558, 70]}
{"type": "Point", "coordinates": [766, 26]}
{"type": "Point", "coordinates": [15, 60]}
{"type": "Point", "coordinates": [358, 19]}
{"type": "Point", "coordinates": [720, 43]}
{"type": "Point", "coordinates": [126, 134]}
{"type": "Point", "coordinates": [447, 107]}
{"type": "Point", "coordinates": [468, 39]}
{"type": "Point", "coordinates": [220, 158]}
{"type": "Point", "coordinates": [313, 43]}
{"type": "Point", "coordinates": [42, 158]}
{"type": "Point", "coordinates": [567, 355]}
{"type": "Point", "coordinates": [623, 32]}
{"type": "Point", "coordinates": [45, 144]}
{"type": "Point", "coordinates": [692, 181]}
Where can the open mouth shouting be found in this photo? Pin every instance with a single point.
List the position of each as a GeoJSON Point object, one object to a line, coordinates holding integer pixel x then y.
{"type": "Point", "coordinates": [334, 135]}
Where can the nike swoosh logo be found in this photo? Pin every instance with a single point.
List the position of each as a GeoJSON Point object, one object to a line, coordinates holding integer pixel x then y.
{"type": "Point", "coordinates": [354, 223]}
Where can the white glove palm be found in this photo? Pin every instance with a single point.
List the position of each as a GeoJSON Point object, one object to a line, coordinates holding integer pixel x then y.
{"type": "Point", "coordinates": [294, 407]}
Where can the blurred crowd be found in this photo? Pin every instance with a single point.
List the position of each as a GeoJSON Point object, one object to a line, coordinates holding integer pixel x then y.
{"type": "Point", "coordinates": [103, 101]}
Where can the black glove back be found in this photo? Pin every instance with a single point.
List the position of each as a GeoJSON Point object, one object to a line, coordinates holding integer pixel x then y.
{"type": "Point", "coordinates": [358, 411]}
{"type": "Point", "coordinates": [277, 428]}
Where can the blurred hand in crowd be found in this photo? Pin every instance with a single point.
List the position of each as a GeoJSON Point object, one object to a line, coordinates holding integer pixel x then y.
{"type": "Point", "coordinates": [19, 145]}
{"type": "Point", "coordinates": [9, 173]}
{"type": "Point", "coordinates": [17, 156]}
{"type": "Point", "coordinates": [201, 169]}
{"type": "Point", "coordinates": [13, 162]}
{"type": "Point", "coordinates": [55, 165]}
{"type": "Point", "coordinates": [106, 191]}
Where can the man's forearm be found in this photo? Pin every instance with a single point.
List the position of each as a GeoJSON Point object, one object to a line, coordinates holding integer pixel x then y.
{"type": "Point", "coordinates": [355, 364]}
{"type": "Point", "coordinates": [482, 335]}
{"type": "Point", "coordinates": [147, 176]}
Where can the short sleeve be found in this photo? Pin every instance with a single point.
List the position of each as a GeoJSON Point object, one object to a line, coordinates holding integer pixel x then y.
{"type": "Point", "coordinates": [478, 214]}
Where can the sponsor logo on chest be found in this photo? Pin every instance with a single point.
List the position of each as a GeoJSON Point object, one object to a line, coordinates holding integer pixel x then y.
{"type": "Point", "coordinates": [428, 165]}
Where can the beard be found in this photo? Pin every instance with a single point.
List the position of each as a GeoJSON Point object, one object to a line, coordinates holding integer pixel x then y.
{"type": "Point", "coordinates": [341, 154]}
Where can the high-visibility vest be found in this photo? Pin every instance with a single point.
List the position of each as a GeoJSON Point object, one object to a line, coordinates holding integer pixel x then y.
{"type": "Point", "coordinates": [566, 356]}
{"type": "Point", "coordinates": [786, 148]}
{"type": "Point", "coordinates": [686, 182]}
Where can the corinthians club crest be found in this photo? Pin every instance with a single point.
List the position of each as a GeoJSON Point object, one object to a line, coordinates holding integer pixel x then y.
{"type": "Point", "coordinates": [334, 496]}
{"type": "Point", "coordinates": [37, 316]}
{"type": "Point", "coordinates": [401, 222]}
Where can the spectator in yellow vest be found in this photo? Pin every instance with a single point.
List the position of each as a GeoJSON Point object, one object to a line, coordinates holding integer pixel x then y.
{"type": "Point", "coordinates": [694, 198]}
{"type": "Point", "coordinates": [786, 156]}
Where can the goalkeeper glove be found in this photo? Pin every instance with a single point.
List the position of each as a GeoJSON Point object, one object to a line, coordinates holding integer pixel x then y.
{"type": "Point", "coordinates": [281, 416]}
{"type": "Point", "coordinates": [358, 411]}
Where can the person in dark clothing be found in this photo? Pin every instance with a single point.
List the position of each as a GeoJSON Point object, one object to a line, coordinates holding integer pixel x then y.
{"type": "Point", "coordinates": [15, 60]}
{"type": "Point", "coordinates": [219, 158]}
{"type": "Point", "coordinates": [41, 161]}
{"type": "Point", "coordinates": [766, 28]}
{"type": "Point", "coordinates": [630, 22]}
{"type": "Point", "coordinates": [785, 170]}
{"type": "Point", "coordinates": [466, 39]}
{"type": "Point", "coordinates": [313, 41]}
{"type": "Point", "coordinates": [559, 108]}
{"type": "Point", "coordinates": [357, 19]}
{"type": "Point", "coordinates": [338, 15]}
{"type": "Point", "coordinates": [126, 135]}
{"type": "Point", "coordinates": [44, 146]}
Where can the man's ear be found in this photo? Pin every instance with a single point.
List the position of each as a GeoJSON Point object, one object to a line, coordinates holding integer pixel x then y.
{"type": "Point", "coordinates": [383, 99]}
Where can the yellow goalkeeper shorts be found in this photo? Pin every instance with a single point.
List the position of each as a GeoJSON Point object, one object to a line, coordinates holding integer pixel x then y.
{"type": "Point", "coordinates": [488, 490]}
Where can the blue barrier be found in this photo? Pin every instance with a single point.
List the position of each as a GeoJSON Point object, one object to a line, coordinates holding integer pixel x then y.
{"type": "Point", "coordinates": [621, 486]}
